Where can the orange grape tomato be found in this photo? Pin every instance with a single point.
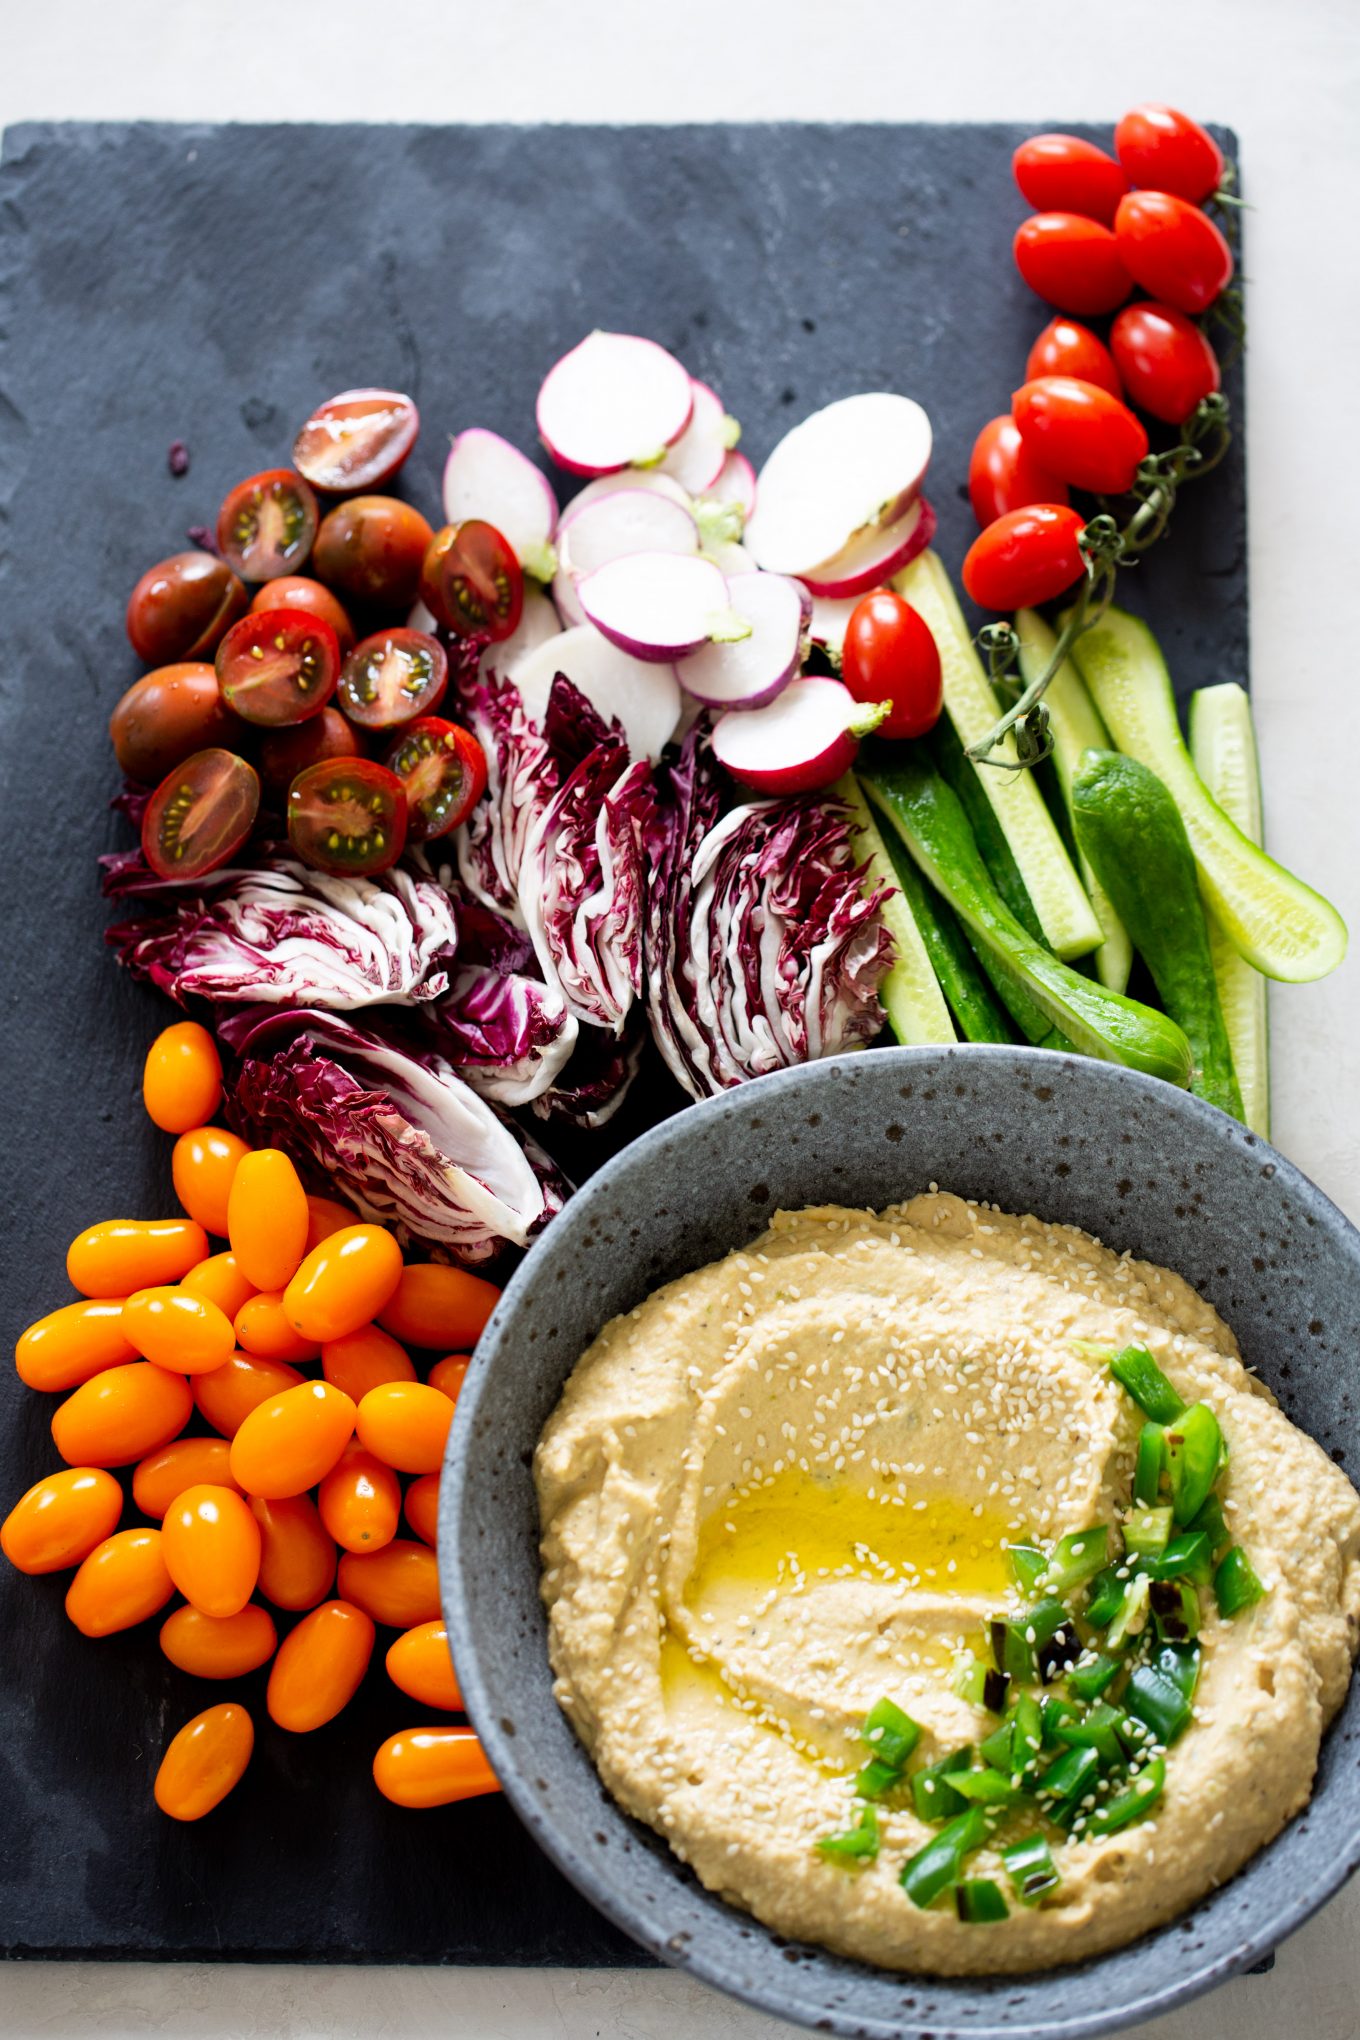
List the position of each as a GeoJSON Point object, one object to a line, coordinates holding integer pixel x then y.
{"type": "Point", "coordinates": [320, 1666]}
{"type": "Point", "coordinates": [405, 1423]}
{"type": "Point", "coordinates": [398, 1586]}
{"type": "Point", "coordinates": [227, 1396]}
{"type": "Point", "coordinates": [211, 1545]}
{"type": "Point", "coordinates": [297, 1553]}
{"type": "Point", "coordinates": [292, 1441]}
{"type": "Point", "coordinates": [325, 1215]}
{"type": "Point", "coordinates": [218, 1280]}
{"type": "Point", "coordinates": [121, 1415]}
{"type": "Point", "coordinates": [263, 1329]}
{"type": "Point", "coordinates": [420, 1664]}
{"type": "Point", "coordinates": [122, 1581]}
{"type": "Point", "coordinates": [204, 1761]}
{"type": "Point", "coordinates": [163, 1475]}
{"type": "Point", "coordinates": [123, 1254]}
{"type": "Point", "coordinates": [267, 1218]}
{"type": "Point", "coordinates": [61, 1519]}
{"type": "Point", "coordinates": [360, 1502]}
{"type": "Point", "coordinates": [182, 1078]}
{"type": "Point", "coordinates": [202, 1168]}
{"type": "Point", "coordinates": [365, 1359]}
{"type": "Point", "coordinates": [343, 1283]}
{"type": "Point", "coordinates": [437, 1306]}
{"type": "Point", "coordinates": [70, 1345]}
{"type": "Point", "coordinates": [422, 1507]}
{"type": "Point", "coordinates": [219, 1647]}
{"type": "Point", "coordinates": [449, 1374]}
{"type": "Point", "coordinates": [175, 1329]}
{"type": "Point", "coordinates": [433, 1767]}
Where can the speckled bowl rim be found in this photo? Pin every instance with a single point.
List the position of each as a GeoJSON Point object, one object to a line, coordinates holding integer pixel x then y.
{"type": "Point", "coordinates": [1333, 1858]}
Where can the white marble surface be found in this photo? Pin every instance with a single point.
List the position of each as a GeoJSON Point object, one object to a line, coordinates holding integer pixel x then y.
{"type": "Point", "coordinates": [1288, 77]}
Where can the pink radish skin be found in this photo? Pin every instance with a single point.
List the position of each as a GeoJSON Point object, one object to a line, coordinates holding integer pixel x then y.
{"type": "Point", "coordinates": [657, 606]}
{"type": "Point", "coordinates": [538, 622]}
{"type": "Point", "coordinates": [644, 699]}
{"type": "Point", "coordinates": [802, 742]}
{"type": "Point", "coordinates": [485, 476]}
{"type": "Point", "coordinates": [859, 463]}
{"type": "Point", "coordinates": [874, 558]}
{"type": "Point", "coordinates": [615, 399]}
{"type": "Point", "coordinates": [650, 479]}
{"type": "Point", "coordinates": [735, 483]}
{"type": "Point", "coordinates": [758, 668]}
{"type": "Point", "coordinates": [697, 457]}
{"type": "Point", "coordinates": [613, 526]}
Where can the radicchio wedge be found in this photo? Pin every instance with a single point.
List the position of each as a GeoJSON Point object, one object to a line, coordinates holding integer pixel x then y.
{"type": "Point", "coordinates": [598, 1078]}
{"type": "Point", "coordinates": [522, 777]}
{"type": "Point", "coordinates": [507, 1035]}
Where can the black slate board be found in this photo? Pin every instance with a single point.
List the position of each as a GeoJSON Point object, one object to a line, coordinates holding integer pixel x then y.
{"type": "Point", "coordinates": [210, 284]}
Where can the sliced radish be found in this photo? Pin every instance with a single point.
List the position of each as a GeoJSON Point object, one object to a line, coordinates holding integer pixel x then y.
{"type": "Point", "coordinates": [831, 616]}
{"type": "Point", "coordinates": [420, 617]}
{"type": "Point", "coordinates": [650, 479]}
{"type": "Point", "coordinates": [755, 669]}
{"type": "Point", "coordinates": [875, 555]}
{"type": "Point", "coordinates": [564, 595]}
{"type": "Point", "coordinates": [858, 462]}
{"type": "Point", "coordinates": [644, 699]}
{"type": "Point", "coordinates": [729, 557]}
{"type": "Point", "coordinates": [485, 476]}
{"type": "Point", "coordinates": [659, 605]}
{"type": "Point", "coordinates": [736, 483]}
{"type": "Point", "coordinates": [697, 457]}
{"type": "Point", "coordinates": [614, 399]}
{"type": "Point", "coordinates": [538, 622]}
{"type": "Point", "coordinates": [613, 526]}
{"type": "Point", "coordinates": [803, 741]}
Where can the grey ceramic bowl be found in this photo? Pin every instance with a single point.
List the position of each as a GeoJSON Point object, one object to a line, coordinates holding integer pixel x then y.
{"type": "Point", "coordinates": [1143, 1166]}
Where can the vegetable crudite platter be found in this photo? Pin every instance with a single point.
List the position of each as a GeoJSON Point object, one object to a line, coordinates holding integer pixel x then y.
{"type": "Point", "coordinates": [538, 696]}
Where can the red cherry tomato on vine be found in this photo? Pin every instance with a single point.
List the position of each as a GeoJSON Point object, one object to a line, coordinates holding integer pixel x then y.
{"type": "Point", "coordinates": [472, 582]}
{"type": "Point", "coordinates": [1004, 474]}
{"type": "Point", "coordinates": [266, 525]}
{"type": "Point", "coordinates": [181, 607]}
{"type": "Point", "coordinates": [1172, 249]}
{"type": "Point", "coordinates": [296, 591]}
{"type": "Point", "coordinates": [200, 814]}
{"type": "Point", "coordinates": [1167, 151]}
{"type": "Point", "coordinates": [277, 667]}
{"type": "Point", "coordinates": [1066, 347]}
{"type": "Point", "coordinates": [1025, 558]}
{"type": "Point", "coordinates": [1083, 433]}
{"type": "Point", "coordinates": [1062, 173]}
{"type": "Point", "coordinates": [1071, 261]}
{"type": "Point", "coordinates": [348, 816]}
{"type": "Point", "coordinates": [891, 655]}
{"type": "Point", "coordinates": [1165, 359]}
{"type": "Point", "coordinates": [392, 677]}
{"type": "Point", "coordinates": [443, 768]}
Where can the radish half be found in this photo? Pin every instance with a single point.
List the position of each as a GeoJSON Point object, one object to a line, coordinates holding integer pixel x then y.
{"type": "Point", "coordinates": [485, 476]}
{"type": "Point", "coordinates": [830, 620]}
{"type": "Point", "coordinates": [875, 555]}
{"type": "Point", "coordinates": [537, 623]}
{"type": "Point", "coordinates": [735, 483]}
{"type": "Point", "coordinates": [755, 669]}
{"type": "Point", "coordinates": [644, 699]}
{"type": "Point", "coordinates": [613, 526]}
{"type": "Point", "coordinates": [697, 457]}
{"type": "Point", "coordinates": [659, 605]}
{"type": "Point", "coordinates": [729, 557]}
{"type": "Point", "coordinates": [649, 479]}
{"type": "Point", "coordinates": [803, 741]}
{"type": "Point", "coordinates": [614, 399]}
{"type": "Point", "coordinates": [857, 463]}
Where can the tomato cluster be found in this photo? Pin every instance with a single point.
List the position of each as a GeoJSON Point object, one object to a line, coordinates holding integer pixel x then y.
{"type": "Point", "coordinates": [263, 1401]}
{"type": "Point", "coordinates": [1104, 225]}
{"type": "Point", "coordinates": [319, 695]}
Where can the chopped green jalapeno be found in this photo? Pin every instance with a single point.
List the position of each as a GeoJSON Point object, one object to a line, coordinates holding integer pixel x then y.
{"type": "Point", "coordinates": [987, 1787]}
{"type": "Point", "coordinates": [1031, 1869]}
{"type": "Point", "coordinates": [1148, 1467]}
{"type": "Point", "coordinates": [1091, 1674]}
{"type": "Point", "coordinates": [1194, 1454]}
{"type": "Point", "coordinates": [1075, 1559]}
{"type": "Point", "coordinates": [1161, 1692]}
{"type": "Point", "coordinates": [978, 1901]}
{"type": "Point", "coordinates": [1187, 1557]}
{"type": "Point", "coordinates": [936, 1866]}
{"type": "Point", "coordinates": [877, 1779]}
{"type": "Point", "coordinates": [995, 1692]}
{"type": "Point", "coordinates": [858, 1844]}
{"type": "Point", "coordinates": [1138, 1373]}
{"type": "Point", "coordinates": [1066, 1782]}
{"type": "Point", "coordinates": [1035, 1645]}
{"type": "Point", "coordinates": [890, 1734]}
{"type": "Point", "coordinates": [998, 1748]}
{"type": "Point", "coordinates": [1029, 1731]}
{"type": "Point", "coordinates": [1027, 1562]}
{"type": "Point", "coordinates": [1213, 1524]}
{"type": "Point", "coordinates": [934, 1799]}
{"type": "Point", "coordinates": [1147, 1532]}
{"type": "Point", "coordinates": [1106, 1597]}
{"type": "Point", "coordinates": [970, 1677]}
{"type": "Point", "coordinates": [1098, 1730]}
{"type": "Point", "coordinates": [1133, 1612]}
{"type": "Point", "coordinates": [1137, 1799]}
{"type": "Point", "coordinates": [1236, 1585]}
{"type": "Point", "coordinates": [1055, 1712]}
{"type": "Point", "coordinates": [1175, 1609]}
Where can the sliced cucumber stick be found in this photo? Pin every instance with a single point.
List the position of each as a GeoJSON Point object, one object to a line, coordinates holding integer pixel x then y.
{"type": "Point", "coordinates": [1223, 747]}
{"type": "Point", "coordinates": [976, 1012]}
{"type": "Point", "coordinates": [911, 993]}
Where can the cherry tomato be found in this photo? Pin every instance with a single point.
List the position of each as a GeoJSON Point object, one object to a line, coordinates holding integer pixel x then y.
{"type": "Point", "coordinates": [219, 1646]}
{"type": "Point", "coordinates": [73, 1344]}
{"type": "Point", "coordinates": [1082, 433]}
{"type": "Point", "coordinates": [421, 1509]}
{"type": "Point", "coordinates": [1004, 474]}
{"type": "Point", "coordinates": [163, 1476]}
{"type": "Point", "coordinates": [420, 1664]}
{"type": "Point", "coordinates": [1166, 361]}
{"type": "Point", "coordinates": [267, 1218]}
{"type": "Point", "coordinates": [1062, 173]}
{"type": "Point", "coordinates": [285, 753]}
{"type": "Point", "coordinates": [371, 549]}
{"type": "Point", "coordinates": [297, 1557]}
{"type": "Point", "coordinates": [392, 677]}
{"type": "Point", "coordinates": [182, 607]}
{"type": "Point", "coordinates": [1071, 261]}
{"type": "Point", "coordinates": [437, 1306]}
{"type": "Point", "coordinates": [320, 1666]}
{"type": "Point", "coordinates": [405, 1423]}
{"type": "Point", "coordinates": [347, 816]}
{"type": "Point", "coordinates": [890, 655]}
{"type": "Point", "coordinates": [165, 717]}
{"type": "Point", "coordinates": [202, 1168]}
{"type": "Point", "coordinates": [123, 1254]}
{"type": "Point", "coordinates": [218, 1279]}
{"type": "Point", "coordinates": [211, 1546]}
{"type": "Point", "coordinates": [356, 440]}
{"type": "Point", "coordinates": [267, 524]}
{"type": "Point", "coordinates": [1025, 558]}
{"type": "Point", "coordinates": [443, 768]}
{"type": "Point", "coordinates": [292, 1441]}
{"type": "Point", "coordinates": [326, 1215]}
{"type": "Point", "coordinates": [1172, 249]}
{"type": "Point", "coordinates": [309, 598]}
{"type": "Point", "coordinates": [121, 1415]}
{"type": "Point", "coordinates": [123, 1581]}
{"type": "Point", "coordinates": [61, 1519]}
{"type": "Point", "coordinates": [471, 581]}
{"type": "Point", "coordinates": [449, 1374]}
{"type": "Point", "coordinates": [227, 1396]}
{"type": "Point", "coordinates": [278, 667]}
{"type": "Point", "coordinates": [205, 1760]}
{"type": "Point", "coordinates": [433, 1767]}
{"type": "Point", "coordinates": [365, 1359]}
{"type": "Point", "coordinates": [1065, 347]}
{"type": "Point", "coordinates": [182, 1077]}
{"type": "Point", "coordinates": [360, 1501]}
{"type": "Point", "coordinates": [343, 1283]}
{"type": "Point", "coordinates": [200, 815]}
{"type": "Point", "coordinates": [398, 1586]}
{"type": "Point", "coordinates": [175, 1329]}
{"type": "Point", "coordinates": [262, 1329]}
{"type": "Point", "coordinates": [1167, 151]}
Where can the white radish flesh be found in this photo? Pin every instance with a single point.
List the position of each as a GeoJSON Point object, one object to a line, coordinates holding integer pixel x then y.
{"type": "Point", "coordinates": [697, 457]}
{"type": "Point", "coordinates": [858, 462]}
{"type": "Point", "coordinates": [615, 398]}
{"type": "Point", "coordinates": [485, 476]}
{"type": "Point", "coordinates": [613, 526]}
{"type": "Point", "coordinates": [658, 605]}
{"type": "Point", "coordinates": [730, 558]}
{"type": "Point", "coordinates": [644, 699]}
{"type": "Point", "coordinates": [754, 669]}
{"type": "Point", "coordinates": [736, 483]}
{"type": "Point", "coordinates": [649, 479]}
{"type": "Point", "coordinates": [803, 741]}
{"type": "Point", "coordinates": [538, 622]}
{"type": "Point", "coordinates": [876, 555]}
{"type": "Point", "coordinates": [831, 616]}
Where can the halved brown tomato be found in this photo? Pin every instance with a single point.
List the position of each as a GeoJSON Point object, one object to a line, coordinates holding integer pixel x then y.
{"type": "Point", "coordinates": [165, 717]}
{"type": "Point", "coordinates": [392, 677]}
{"type": "Point", "coordinates": [182, 607]}
{"type": "Point", "coordinates": [443, 769]}
{"type": "Point", "coordinates": [266, 525]}
{"type": "Point", "coordinates": [347, 815]}
{"type": "Point", "coordinates": [285, 753]}
{"type": "Point", "coordinates": [356, 440]}
{"type": "Point", "coordinates": [295, 591]}
{"type": "Point", "coordinates": [278, 666]}
{"type": "Point", "coordinates": [371, 549]}
{"type": "Point", "coordinates": [200, 814]}
{"type": "Point", "coordinates": [472, 582]}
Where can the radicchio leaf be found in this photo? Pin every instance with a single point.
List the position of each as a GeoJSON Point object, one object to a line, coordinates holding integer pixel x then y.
{"type": "Point", "coordinates": [507, 1035]}
{"type": "Point", "coordinates": [522, 776]}
{"type": "Point", "coordinates": [597, 1079]}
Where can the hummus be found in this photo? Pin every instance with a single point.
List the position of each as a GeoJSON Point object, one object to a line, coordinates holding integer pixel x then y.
{"type": "Point", "coordinates": [782, 1489]}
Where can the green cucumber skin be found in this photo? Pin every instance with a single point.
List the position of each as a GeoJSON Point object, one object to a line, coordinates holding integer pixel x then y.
{"type": "Point", "coordinates": [1099, 1022]}
{"type": "Point", "coordinates": [957, 770]}
{"type": "Point", "coordinates": [1223, 747]}
{"type": "Point", "coordinates": [965, 988]}
{"type": "Point", "coordinates": [1131, 829]}
{"type": "Point", "coordinates": [910, 994]}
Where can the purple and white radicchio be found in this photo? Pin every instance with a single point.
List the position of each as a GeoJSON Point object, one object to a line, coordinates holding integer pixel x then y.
{"type": "Point", "coordinates": [522, 776]}
{"type": "Point", "coordinates": [508, 1035]}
